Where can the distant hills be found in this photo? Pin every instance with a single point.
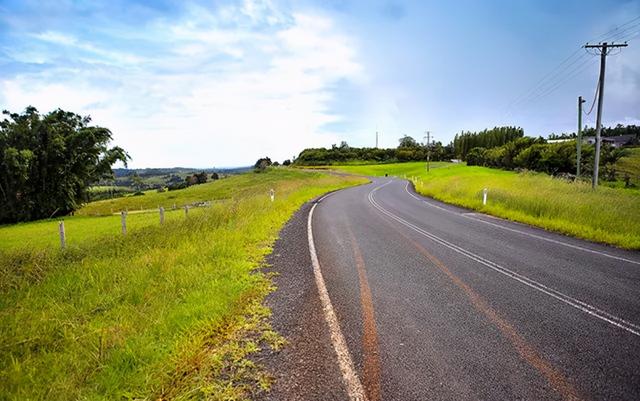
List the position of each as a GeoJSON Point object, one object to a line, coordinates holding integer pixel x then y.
{"type": "Point", "coordinates": [151, 172]}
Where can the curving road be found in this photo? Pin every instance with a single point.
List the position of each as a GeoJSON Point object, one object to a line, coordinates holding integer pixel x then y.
{"type": "Point", "coordinates": [433, 302]}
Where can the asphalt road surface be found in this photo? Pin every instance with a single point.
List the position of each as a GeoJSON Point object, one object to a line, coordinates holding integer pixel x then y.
{"type": "Point", "coordinates": [434, 302]}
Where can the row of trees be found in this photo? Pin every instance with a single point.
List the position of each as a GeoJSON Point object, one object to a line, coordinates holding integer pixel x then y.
{"type": "Point", "coordinates": [195, 179]}
{"type": "Point", "coordinates": [498, 136]}
{"type": "Point", "coordinates": [551, 158]}
{"type": "Point", "coordinates": [408, 150]}
{"type": "Point", "coordinates": [618, 130]}
{"type": "Point", "coordinates": [48, 162]}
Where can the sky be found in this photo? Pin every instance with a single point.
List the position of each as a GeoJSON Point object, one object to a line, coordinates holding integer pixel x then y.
{"type": "Point", "coordinates": [223, 83]}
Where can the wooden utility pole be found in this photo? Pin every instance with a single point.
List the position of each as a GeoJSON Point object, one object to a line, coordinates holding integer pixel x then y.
{"type": "Point", "coordinates": [604, 49]}
{"type": "Point", "coordinates": [376, 139]}
{"type": "Point", "coordinates": [579, 141]}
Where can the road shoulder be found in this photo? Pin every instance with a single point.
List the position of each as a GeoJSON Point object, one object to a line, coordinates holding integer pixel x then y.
{"type": "Point", "coordinates": [306, 368]}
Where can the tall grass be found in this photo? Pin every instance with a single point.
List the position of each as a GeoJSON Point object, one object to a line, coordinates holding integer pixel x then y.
{"type": "Point", "coordinates": [606, 215]}
{"type": "Point", "coordinates": [164, 313]}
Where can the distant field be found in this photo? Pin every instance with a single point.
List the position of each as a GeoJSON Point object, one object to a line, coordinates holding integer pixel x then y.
{"type": "Point", "coordinates": [607, 215]}
{"type": "Point", "coordinates": [167, 312]}
{"type": "Point", "coordinates": [234, 186]}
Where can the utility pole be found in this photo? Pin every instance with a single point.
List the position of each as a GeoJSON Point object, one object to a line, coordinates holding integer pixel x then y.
{"type": "Point", "coordinates": [376, 139]}
{"type": "Point", "coordinates": [428, 149]}
{"type": "Point", "coordinates": [579, 142]}
{"type": "Point", "coordinates": [604, 48]}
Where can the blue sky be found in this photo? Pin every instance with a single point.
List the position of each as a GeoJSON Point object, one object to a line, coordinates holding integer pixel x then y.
{"type": "Point", "coordinates": [221, 83]}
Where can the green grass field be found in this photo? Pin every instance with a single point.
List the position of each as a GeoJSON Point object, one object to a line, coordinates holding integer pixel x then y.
{"type": "Point", "coordinates": [607, 215]}
{"type": "Point", "coordinates": [165, 312]}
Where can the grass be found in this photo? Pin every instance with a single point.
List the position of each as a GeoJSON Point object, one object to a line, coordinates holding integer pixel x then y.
{"type": "Point", "coordinates": [607, 215]}
{"type": "Point", "coordinates": [630, 165]}
{"type": "Point", "coordinates": [225, 188]}
{"type": "Point", "coordinates": [167, 312]}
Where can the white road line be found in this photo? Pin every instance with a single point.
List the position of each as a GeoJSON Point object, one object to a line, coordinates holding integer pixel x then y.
{"type": "Point", "coordinates": [576, 303]}
{"type": "Point", "coordinates": [471, 217]}
{"type": "Point", "coordinates": [349, 376]}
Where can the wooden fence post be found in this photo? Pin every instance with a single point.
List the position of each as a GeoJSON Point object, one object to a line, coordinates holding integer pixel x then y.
{"type": "Point", "coordinates": [161, 215]}
{"type": "Point", "coordinates": [123, 220]}
{"type": "Point", "coordinates": [63, 239]}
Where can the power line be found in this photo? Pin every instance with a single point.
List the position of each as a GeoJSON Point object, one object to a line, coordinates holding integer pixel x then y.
{"type": "Point", "coordinates": [595, 96]}
{"type": "Point", "coordinates": [574, 73]}
{"type": "Point", "coordinates": [605, 35]}
{"type": "Point", "coordinates": [558, 80]}
{"type": "Point", "coordinates": [619, 35]}
{"type": "Point", "coordinates": [541, 82]}
{"type": "Point", "coordinates": [550, 82]}
{"type": "Point", "coordinates": [629, 36]}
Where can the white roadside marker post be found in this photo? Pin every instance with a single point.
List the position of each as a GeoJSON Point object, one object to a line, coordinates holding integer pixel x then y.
{"type": "Point", "coordinates": [186, 210]}
{"type": "Point", "coordinates": [272, 194]}
{"type": "Point", "coordinates": [63, 239]}
{"type": "Point", "coordinates": [484, 196]}
{"type": "Point", "coordinates": [161, 215]}
{"type": "Point", "coordinates": [123, 220]}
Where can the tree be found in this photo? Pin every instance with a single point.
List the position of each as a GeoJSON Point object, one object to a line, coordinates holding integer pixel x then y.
{"type": "Point", "coordinates": [137, 181]}
{"type": "Point", "coordinates": [48, 162]}
{"type": "Point", "coordinates": [407, 142]}
{"type": "Point", "coordinates": [191, 180]}
{"type": "Point", "coordinates": [262, 164]}
{"type": "Point", "coordinates": [215, 176]}
{"type": "Point", "coordinates": [201, 177]}
{"type": "Point", "coordinates": [286, 162]}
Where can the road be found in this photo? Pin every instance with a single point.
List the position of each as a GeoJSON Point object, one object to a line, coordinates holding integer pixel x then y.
{"type": "Point", "coordinates": [434, 302]}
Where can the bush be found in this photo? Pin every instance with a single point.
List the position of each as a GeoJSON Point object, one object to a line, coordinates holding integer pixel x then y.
{"type": "Point", "coordinates": [475, 157]}
{"type": "Point", "coordinates": [177, 185]}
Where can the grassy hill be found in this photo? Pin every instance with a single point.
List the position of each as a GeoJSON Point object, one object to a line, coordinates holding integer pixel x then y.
{"type": "Point", "coordinates": [608, 215]}
{"type": "Point", "coordinates": [165, 312]}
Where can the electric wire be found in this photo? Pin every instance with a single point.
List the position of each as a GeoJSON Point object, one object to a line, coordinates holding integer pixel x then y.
{"type": "Point", "coordinates": [562, 72]}
{"type": "Point", "coordinates": [595, 96]}
{"type": "Point", "coordinates": [547, 80]}
{"type": "Point", "coordinates": [605, 35]}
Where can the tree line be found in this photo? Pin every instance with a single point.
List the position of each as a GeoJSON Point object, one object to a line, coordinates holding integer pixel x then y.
{"type": "Point", "coordinates": [618, 130]}
{"type": "Point", "coordinates": [489, 138]}
{"type": "Point", "coordinates": [551, 158]}
{"type": "Point", "coordinates": [408, 150]}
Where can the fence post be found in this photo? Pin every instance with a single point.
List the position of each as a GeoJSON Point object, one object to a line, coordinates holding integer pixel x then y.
{"type": "Point", "coordinates": [272, 194]}
{"type": "Point", "coordinates": [484, 196]}
{"type": "Point", "coordinates": [123, 220]}
{"type": "Point", "coordinates": [186, 210]}
{"type": "Point", "coordinates": [63, 239]}
{"type": "Point", "coordinates": [161, 215]}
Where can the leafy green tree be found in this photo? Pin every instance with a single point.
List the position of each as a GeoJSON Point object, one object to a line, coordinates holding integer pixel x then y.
{"type": "Point", "coordinates": [475, 157]}
{"type": "Point", "coordinates": [137, 181]}
{"type": "Point", "coordinates": [201, 177]}
{"type": "Point", "coordinates": [407, 142]}
{"type": "Point", "coordinates": [215, 176]}
{"type": "Point", "coordinates": [262, 164]}
{"type": "Point", "coordinates": [48, 162]}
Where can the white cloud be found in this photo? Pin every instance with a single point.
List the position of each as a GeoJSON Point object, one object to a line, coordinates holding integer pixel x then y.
{"type": "Point", "coordinates": [229, 86]}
